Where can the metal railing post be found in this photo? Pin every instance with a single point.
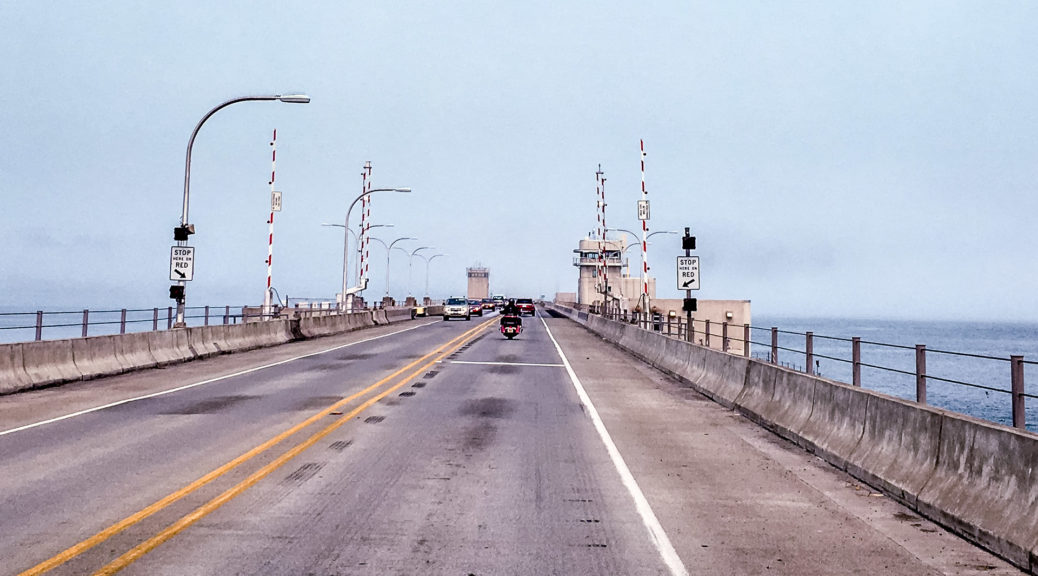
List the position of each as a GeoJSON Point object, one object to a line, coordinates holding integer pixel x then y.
{"type": "Point", "coordinates": [206, 315]}
{"type": "Point", "coordinates": [920, 373]}
{"type": "Point", "coordinates": [724, 336]}
{"type": "Point", "coordinates": [809, 351]}
{"type": "Point", "coordinates": [746, 340]}
{"type": "Point", "coordinates": [1016, 364]}
{"type": "Point", "coordinates": [774, 345]}
{"type": "Point", "coordinates": [856, 361]}
{"type": "Point", "coordinates": [39, 325]}
{"type": "Point", "coordinates": [122, 321]}
{"type": "Point", "coordinates": [154, 319]}
{"type": "Point", "coordinates": [708, 333]}
{"type": "Point", "coordinates": [226, 314]}
{"type": "Point", "coordinates": [86, 320]}
{"type": "Point", "coordinates": [169, 318]}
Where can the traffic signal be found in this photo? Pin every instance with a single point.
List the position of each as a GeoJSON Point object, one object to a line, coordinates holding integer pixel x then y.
{"type": "Point", "coordinates": [689, 305]}
{"type": "Point", "coordinates": [180, 233]}
{"type": "Point", "coordinates": [688, 243]}
{"type": "Point", "coordinates": [176, 292]}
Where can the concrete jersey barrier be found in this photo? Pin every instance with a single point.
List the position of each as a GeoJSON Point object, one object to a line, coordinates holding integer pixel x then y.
{"type": "Point", "coordinates": [28, 365]}
{"type": "Point", "coordinates": [976, 478]}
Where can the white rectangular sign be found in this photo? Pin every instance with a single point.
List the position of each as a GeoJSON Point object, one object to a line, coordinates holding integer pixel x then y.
{"type": "Point", "coordinates": [643, 209]}
{"type": "Point", "coordinates": [688, 272]}
{"type": "Point", "coordinates": [275, 201]}
{"type": "Point", "coordinates": [181, 263]}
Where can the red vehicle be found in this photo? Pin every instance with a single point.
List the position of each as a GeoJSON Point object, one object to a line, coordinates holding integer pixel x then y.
{"type": "Point", "coordinates": [525, 306]}
{"type": "Point", "coordinates": [475, 307]}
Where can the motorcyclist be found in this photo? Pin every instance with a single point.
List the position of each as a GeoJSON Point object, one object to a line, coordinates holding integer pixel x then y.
{"type": "Point", "coordinates": [510, 309]}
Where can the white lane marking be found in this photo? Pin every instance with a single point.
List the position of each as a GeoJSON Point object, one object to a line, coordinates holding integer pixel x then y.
{"type": "Point", "coordinates": [501, 363]}
{"type": "Point", "coordinates": [658, 536]}
{"type": "Point", "coordinates": [210, 381]}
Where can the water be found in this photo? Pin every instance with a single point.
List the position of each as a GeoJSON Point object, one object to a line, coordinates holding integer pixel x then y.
{"type": "Point", "coordinates": [999, 340]}
{"type": "Point", "coordinates": [20, 326]}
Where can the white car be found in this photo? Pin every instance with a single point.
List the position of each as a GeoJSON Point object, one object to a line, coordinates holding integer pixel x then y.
{"type": "Point", "coordinates": [456, 308]}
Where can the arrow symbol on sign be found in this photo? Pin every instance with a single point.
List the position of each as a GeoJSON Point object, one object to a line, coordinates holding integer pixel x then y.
{"type": "Point", "coordinates": [179, 273]}
{"type": "Point", "coordinates": [689, 283]}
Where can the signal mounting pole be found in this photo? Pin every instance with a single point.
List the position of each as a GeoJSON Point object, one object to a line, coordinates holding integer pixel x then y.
{"type": "Point", "coordinates": [275, 206]}
{"type": "Point", "coordinates": [643, 215]}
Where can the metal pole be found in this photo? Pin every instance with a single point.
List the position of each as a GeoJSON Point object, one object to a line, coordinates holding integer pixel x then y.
{"type": "Point", "coordinates": [1017, 371]}
{"type": "Point", "coordinates": [920, 373]}
{"type": "Point", "coordinates": [270, 237]}
{"type": "Point", "coordinates": [810, 352]}
{"type": "Point", "coordinates": [856, 361]}
{"type": "Point", "coordinates": [155, 320]}
{"type": "Point", "coordinates": [293, 98]}
{"type": "Point", "coordinates": [707, 332]}
{"type": "Point", "coordinates": [724, 336]}
{"type": "Point", "coordinates": [774, 345]}
{"type": "Point", "coordinates": [346, 241]}
{"type": "Point", "coordinates": [39, 325]}
{"type": "Point", "coordinates": [226, 314]}
{"type": "Point", "coordinates": [169, 317]}
{"type": "Point", "coordinates": [645, 244]}
{"type": "Point", "coordinates": [86, 316]}
{"type": "Point", "coordinates": [122, 322]}
{"type": "Point", "coordinates": [207, 316]}
{"type": "Point", "coordinates": [746, 340]}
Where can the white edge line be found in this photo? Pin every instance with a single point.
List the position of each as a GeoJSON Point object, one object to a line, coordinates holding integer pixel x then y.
{"type": "Point", "coordinates": [193, 385]}
{"type": "Point", "coordinates": [658, 535]}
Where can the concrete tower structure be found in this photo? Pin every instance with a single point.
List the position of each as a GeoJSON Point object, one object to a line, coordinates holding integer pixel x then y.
{"type": "Point", "coordinates": [479, 282]}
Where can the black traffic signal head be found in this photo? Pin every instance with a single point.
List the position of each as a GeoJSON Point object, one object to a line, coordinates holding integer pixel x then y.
{"type": "Point", "coordinates": [689, 305]}
{"type": "Point", "coordinates": [176, 292]}
{"type": "Point", "coordinates": [180, 233]}
{"type": "Point", "coordinates": [688, 243]}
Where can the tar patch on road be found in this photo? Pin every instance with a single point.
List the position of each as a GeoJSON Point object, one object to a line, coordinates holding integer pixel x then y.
{"type": "Point", "coordinates": [488, 408]}
{"type": "Point", "coordinates": [210, 405]}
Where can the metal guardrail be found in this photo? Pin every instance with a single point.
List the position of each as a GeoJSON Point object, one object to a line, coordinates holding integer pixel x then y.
{"type": "Point", "coordinates": [726, 337]}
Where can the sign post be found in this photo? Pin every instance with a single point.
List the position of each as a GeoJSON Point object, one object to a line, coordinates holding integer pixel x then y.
{"type": "Point", "coordinates": [688, 279]}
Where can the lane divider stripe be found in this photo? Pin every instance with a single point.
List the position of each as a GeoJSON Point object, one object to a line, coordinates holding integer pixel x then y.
{"type": "Point", "coordinates": [656, 533]}
{"type": "Point", "coordinates": [209, 507]}
{"type": "Point", "coordinates": [165, 502]}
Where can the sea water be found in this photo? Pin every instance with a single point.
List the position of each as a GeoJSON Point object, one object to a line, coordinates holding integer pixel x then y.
{"type": "Point", "coordinates": [890, 344]}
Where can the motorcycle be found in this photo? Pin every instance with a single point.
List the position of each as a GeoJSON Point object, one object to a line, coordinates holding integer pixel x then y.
{"type": "Point", "coordinates": [511, 326]}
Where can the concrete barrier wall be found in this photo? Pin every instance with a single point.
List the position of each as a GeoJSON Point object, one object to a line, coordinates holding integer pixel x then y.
{"type": "Point", "coordinates": [28, 365]}
{"type": "Point", "coordinates": [977, 478]}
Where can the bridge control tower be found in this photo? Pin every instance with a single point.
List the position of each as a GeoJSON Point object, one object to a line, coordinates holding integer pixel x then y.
{"type": "Point", "coordinates": [479, 282]}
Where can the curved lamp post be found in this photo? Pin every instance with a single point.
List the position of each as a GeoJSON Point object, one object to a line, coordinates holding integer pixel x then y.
{"type": "Point", "coordinates": [642, 249]}
{"type": "Point", "coordinates": [354, 234]}
{"type": "Point", "coordinates": [347, 303]}
{"type": "Point", "coordinates": [185, 229]}
{"type": "Point", "coordinates": [427, 261]}
{"type": "Point", "coordinates": [410, 261]}
{"type": "Point", "coordinates": [389, 250]}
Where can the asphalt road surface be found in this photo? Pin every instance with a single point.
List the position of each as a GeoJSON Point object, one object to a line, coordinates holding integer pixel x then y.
{"type": "Point", "coordinates": [431, 447]}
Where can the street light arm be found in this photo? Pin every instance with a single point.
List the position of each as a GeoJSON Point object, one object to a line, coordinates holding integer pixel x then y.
{"type": "Point", "coordinates": [293, 98]}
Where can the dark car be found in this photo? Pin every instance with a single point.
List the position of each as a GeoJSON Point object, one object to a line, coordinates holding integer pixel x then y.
{"type": "Point", "coordinates": [525, 306]}
{"type": "Point", "coordinates": [475, 307]}
{"type": "Point", "coordinates": [488, 304]}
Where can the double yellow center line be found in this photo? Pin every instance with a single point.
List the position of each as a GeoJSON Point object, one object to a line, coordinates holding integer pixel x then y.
{"type": "Point", "coordinates": [400, 377]}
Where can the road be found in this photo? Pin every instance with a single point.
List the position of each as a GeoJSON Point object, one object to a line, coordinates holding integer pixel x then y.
{"type": "Point", "coordinates": [430, 447]}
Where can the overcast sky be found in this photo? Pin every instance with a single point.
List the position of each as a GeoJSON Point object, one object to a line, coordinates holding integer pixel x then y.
{"type": "Point", "coordinates": [833, 158]}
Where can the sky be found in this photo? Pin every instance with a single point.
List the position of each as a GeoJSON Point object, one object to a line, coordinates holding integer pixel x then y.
{"type": "Point", "coordinates": [832, 158]}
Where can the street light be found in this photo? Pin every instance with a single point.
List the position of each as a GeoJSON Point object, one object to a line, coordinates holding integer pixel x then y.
{"type": "Point", "coordinates": [347, 303]}
{"type": "Point", "coordinates": [643, 297]}
{"type": "Point", "coordinates": [410, 261]}
{"type": "Point", "coordinates": [427, 261]}
{"type": "Point", "coordinates": [185, 229]}
{"type": "Point", "coordinates": [389, 249]}
{"type": "Point", "coordinates": [354, 234]}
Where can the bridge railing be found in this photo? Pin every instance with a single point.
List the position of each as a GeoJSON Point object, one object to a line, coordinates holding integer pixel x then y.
{"type": "Point", "coordinates": [980, 385]}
